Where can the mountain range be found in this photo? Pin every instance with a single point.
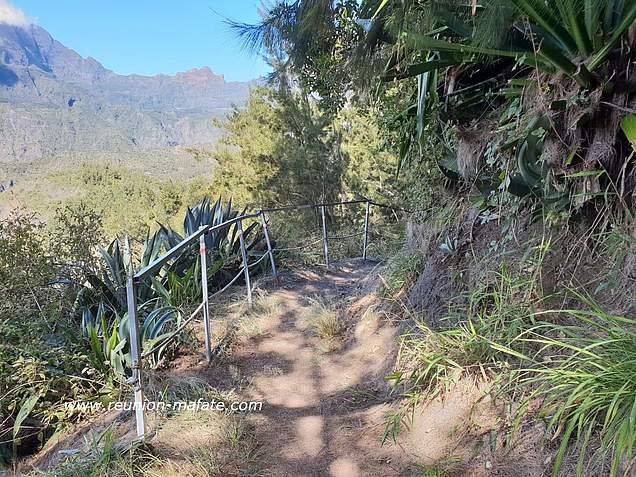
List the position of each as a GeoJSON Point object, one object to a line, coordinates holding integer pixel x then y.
{"type": "Point", "coordinates": [53, 102]}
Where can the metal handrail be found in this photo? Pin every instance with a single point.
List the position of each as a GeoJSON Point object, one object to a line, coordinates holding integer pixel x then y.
{"type": "Point", "coordinates": [186, 242]}
{"type": "Point", "coordinates": [312, 206]}
{"type": "Point", "coordinates": [300, 247]}
{"type": "Point", "coordinates": [155, 266]}
{"type": "Point", "coordinates": [331, 204]}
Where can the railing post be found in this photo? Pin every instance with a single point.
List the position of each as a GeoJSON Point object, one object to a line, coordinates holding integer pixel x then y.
{"type": "Point", "coordinates": [325, 246]}
{"type": "Point", "coordinates": [246, 269]}
{"type": "Point", "coordinates": [204, 292]}
{"type": "Point", "coordinates": [269, 245]}
{"type": "Point", "coordinates": [135, 346]}
{"type": "Point", "coordinates": [365, 242]}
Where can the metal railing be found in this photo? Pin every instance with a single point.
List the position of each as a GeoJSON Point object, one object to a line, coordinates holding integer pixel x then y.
{"type": "Point", "coordinates": [153, 268]}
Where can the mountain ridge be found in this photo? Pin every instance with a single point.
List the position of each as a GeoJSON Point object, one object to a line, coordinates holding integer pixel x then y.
{"type": "Point", "coordinates": [53, 101]}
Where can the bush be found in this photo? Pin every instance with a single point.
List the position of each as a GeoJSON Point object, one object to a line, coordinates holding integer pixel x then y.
{"type": "Point", "coordinates": [401, 272]}
{"type": "Point", "coordinates": [41, 357]}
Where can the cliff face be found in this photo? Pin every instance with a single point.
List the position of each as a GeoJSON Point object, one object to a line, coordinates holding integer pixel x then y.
{"type": "Point", "coordinates": [52, 100]}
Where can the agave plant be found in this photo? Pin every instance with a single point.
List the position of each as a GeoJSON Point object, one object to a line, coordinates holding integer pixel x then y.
{"type": "Point", "coordinates": [108, 286]}
{"type": "Point", "coordinates": [222, 245]}
{"type": "Point", "coordinates": [571, 36]}
{"type": "Point", "coordinates": [108, 335]}
{"type": "Point", "coordinates": [571, 55]}
{"type": "Point", "coordinates": [102, 301]}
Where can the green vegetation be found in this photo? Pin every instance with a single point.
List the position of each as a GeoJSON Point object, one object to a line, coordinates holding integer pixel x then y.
{"type": "Point", "coordinates": [105, 458]}
{"type": "Point", "coordinates": [126, 200]}
{"type": "Point", "coordinates": [506, 127]}
{"type": "Point", "coordinates": [215, 445]}
{"type": "Point", "coordinates": [43, 360]}
{"type": "Point", "coordinates": [495, 316]}
{"type": "Point", "coordinates": [282, 149]}
{"type": "Point", "coordinates": [502, 114]}
{"type": "Point", "coordinates": [587, 385]}
{"type": "Point", "coordinates": [65, 317]}
{"type": "Point", "coordinates": [401, 272]}
{"type": "Point", "coordinates": [164, 297]}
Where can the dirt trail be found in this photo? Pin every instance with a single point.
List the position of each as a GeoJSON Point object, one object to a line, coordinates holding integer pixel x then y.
{"type": "Point", "coordinates": [322, 410]}
{"type": "Point", "coordinates": [324, 403]}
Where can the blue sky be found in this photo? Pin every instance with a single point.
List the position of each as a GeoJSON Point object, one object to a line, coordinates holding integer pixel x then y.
{"type": "Point", "coordinates": [152, 36]}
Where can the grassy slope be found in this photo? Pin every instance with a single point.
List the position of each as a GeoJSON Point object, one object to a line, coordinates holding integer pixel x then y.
{"type": "Point", "coordinates": [130, 191]}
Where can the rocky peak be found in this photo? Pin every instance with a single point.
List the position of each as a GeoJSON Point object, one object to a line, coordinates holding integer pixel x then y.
{"type": "Point", "coordinates": [199, 74]}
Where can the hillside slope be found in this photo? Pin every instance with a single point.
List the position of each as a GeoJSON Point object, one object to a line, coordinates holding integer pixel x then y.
{"type": "Point", "coordinates": [53, 101]}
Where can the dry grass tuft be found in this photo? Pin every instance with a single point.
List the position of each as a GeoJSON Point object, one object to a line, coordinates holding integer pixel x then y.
{"type": "Point", "coordinates": [205, 444]}
{"type": "Point", "coordinates": [325, 322]}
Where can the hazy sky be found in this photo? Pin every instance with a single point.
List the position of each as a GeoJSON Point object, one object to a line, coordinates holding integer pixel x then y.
{"type": "Point", "coordinates": [151, 36]}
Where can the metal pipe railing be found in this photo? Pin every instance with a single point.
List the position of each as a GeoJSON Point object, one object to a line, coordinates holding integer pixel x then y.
{"type": "Point", "coordinates": [325, 240]}
{"type": "Point", "coordinates": [365, 240]}
{"type": "Point", "coordinates": [186, 242]}
{"type": "Point", "coordinates": [204, 292]}
{"type": "Point", "coordinates": [312, 206]}
{"type": "Point", "coordinates": [152, 268]}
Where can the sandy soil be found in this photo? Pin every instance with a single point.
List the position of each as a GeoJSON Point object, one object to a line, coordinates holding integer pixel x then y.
{"type": "Point", "coordinates": [324, 402]}
{"type": "Point", "coordinates": [323, 410]}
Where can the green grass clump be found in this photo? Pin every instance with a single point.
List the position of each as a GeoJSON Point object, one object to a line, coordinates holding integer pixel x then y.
{"type": "Point", "coordinates": [401, 272]}
{"type": "Point", "coordinates": [266, 306]}
{"type": "Point", "coordinates": [105, 457]}
{"type": "Point", "coordinates": [580, 363]}
{"type": "Point", "coordinates": [585, 373]}
{"type": "Point", "coordinates": [483, 336]}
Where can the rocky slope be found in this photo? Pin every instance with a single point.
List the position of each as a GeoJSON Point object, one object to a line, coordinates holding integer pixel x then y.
{"type": "Point", "coordinates": [53, 101]}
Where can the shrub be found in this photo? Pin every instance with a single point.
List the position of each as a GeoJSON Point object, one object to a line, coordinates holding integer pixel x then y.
{"type": "Point", "coordinates": [584, 374]}
{"type": "Point", "coordinates": [401, 272]}
{"type": "Point", "coordinates": [41, 357]}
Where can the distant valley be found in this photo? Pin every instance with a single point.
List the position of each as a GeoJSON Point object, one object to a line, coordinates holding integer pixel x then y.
{"type": "Point", "coordinates": [134, 149]}
{"type": "Point", "coordinates": [55, 104]}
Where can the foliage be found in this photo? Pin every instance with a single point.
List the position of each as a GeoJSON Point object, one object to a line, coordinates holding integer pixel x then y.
{"type": "Point", "coordinates": [76, 231]}
{"type": "Point", "coordinates": [223, 245]}
{"type": "Point", "coordinates": [577, 362]}
{"type": "Point", "coordinates": [41, 359]}
{"type": "Point", "coordinates": [481, 337]}
{"type": "Point", "coordinates": [25, 267]}
{"type": "Point", "coordinates": [278, 151]}
{"type": "Point", "coordinates": [105, 457]}
{"type": "Point", "coordinates": [281, 150]}
{"type": "Point", "coordinates": [584, 376]}
{"type": "Point", "coordinates": [50, 285]}
{"type": "Point", "coordinates": [127, 198]}
{"type": "Point", "coordinates": [370, 164]}
{"type": "Point", "coordinates": [109, 338]}
{"type": "Point", "coordinates": [401, 272]}
{"type": "Point", "coordinates": [313, 38]}
{"type": "Point", "coordinates": [162, 297]}
{"type": "Point", "coordinates": [563, 64]}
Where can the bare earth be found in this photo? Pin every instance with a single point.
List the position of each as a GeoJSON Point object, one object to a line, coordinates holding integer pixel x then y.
{"type": "Point", "coordinates": [324, 401]}
{"type": "Point", "coordinates": [323, 409]}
